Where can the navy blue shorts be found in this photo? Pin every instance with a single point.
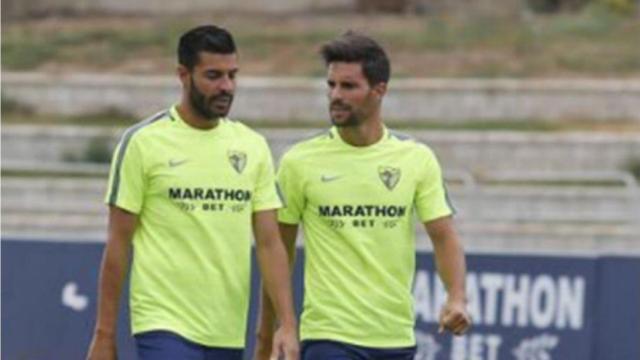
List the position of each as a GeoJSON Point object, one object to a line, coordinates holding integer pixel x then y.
{"type": "Point", "coordinates": [334, 350]}
{"type": "Point", "coordinates": [165, 345]}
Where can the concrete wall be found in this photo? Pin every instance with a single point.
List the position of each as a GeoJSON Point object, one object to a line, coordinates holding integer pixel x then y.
{"type": "Point", "coordinates": [477, 152]}
{"type": "Point", "coordinates": [20, 8]}
{"type": "Point", "coordinates": [194, 6]}
{"type": "Point", "coordinates": [509, 218]}
{"type": "Point", "coordinates": [303, 100]}
{"type": "Point", "coordinates": [489, 217]}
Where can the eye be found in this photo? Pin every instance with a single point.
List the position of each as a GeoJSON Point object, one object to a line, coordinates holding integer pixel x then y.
{"type": "Point", "coordinates": [349, 85]}
{"type": "Point", "coordinates": [331, 84]}
{"type": "Point", "coordinates": [213, 75]}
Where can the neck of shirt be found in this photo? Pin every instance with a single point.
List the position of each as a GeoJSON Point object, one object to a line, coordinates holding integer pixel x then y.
{"type": "Point", "coordinates": [369, 144]}
{"type": "Point", "coordinates": [181, 122]}
{"type": "Point", "coordinates": [188, 117]}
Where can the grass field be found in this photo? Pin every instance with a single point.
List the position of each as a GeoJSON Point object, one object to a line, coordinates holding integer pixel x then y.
{"type": "Point", "coordinates": [592, 43]}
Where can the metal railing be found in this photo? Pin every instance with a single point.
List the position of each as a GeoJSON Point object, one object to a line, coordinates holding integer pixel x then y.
{"type": "Point", "coordinates": [455, 176]}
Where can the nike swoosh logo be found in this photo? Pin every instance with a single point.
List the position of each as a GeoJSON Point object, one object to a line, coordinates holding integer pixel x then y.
{"type": "Point", "coordinates": [174, 163]}
{"type": "Point", "coordinates": [325, 178]}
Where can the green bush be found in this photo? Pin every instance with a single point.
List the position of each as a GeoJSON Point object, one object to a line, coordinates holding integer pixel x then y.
{"type": "Point", "coordinates": [552, 6]}
{"type": "Point", "coordinates": [633, 166]}
{"type": "Point", "coordinates": [98, 151]}
{"type": "Point", "coordinates": [11, 106]}
{"type": "Point", "coordinates": [627, 7]}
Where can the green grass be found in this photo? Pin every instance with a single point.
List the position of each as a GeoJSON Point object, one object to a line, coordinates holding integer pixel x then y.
{"type": "Point", "coordinates": [26, 49]}
{"type": "Point", "coordinates": [102, 119]}
{"type": "Point", "coordinates": [593, 42]}
{"type": "Point", "coordinates": [50, 174]}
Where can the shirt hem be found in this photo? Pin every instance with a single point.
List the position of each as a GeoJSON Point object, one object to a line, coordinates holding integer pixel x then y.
{"type": "Point", "coordinates": [232, 344]}
{"type": "Point", "coordinates": [126, 207]}
{"type": "Point", "coordinates": [359, 342]}
{"type": "Point", "coordinates": [437, 216]}
{"type": "Point", "coordinates": [288, 221]}
{"type": "Point", "coordinates": [271, 206]}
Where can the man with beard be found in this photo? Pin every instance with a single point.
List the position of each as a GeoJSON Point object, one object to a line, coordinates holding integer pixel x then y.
{"type": "Point", "coordinates": [187, 188]}
{"type": "Point", "coordinates": [354, 188]}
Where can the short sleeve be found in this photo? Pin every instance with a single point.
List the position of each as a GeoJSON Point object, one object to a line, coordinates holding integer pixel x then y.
{"type": "Point", "coordinates": [431, 199]}
{"type": "Point", "coordinates": [290, 186]}
{"type": "Point", "coordinates": [265, 195]}
{"type": "Point", "coordinates": [126, 187]}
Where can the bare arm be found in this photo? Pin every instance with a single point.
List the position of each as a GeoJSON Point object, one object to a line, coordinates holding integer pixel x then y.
{"type": "Point", "coordinates": [450, 262]}
{"type": "Point", "coordinates": [266, 315]}
{"type": "Point", "coordinates": [272, 257]}
{"type": "Point", "coordinates": [115, 265]}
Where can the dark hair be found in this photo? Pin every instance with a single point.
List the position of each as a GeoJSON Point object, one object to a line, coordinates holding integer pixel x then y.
{"type": "Point", "coordinates": [352, 47]}
{"type": "Point", "coordinates": [209, 38]}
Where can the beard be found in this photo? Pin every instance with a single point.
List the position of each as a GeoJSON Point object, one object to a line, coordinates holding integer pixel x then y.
{"type": "Point", "coordinates": [352, 120]}
{"type": "Point", "coordinates": [207, 107]}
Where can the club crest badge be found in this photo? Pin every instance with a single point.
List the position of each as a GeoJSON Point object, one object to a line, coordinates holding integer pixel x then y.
{"type": "Point", "coordinates": [238, 160]}
{"type": "Point", "coordinates": [389, 176]}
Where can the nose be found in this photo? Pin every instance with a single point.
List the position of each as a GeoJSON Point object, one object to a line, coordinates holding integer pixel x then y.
{"type": "Point", "coordinates": [334, 93]}
{"type": "Point", "coordinates": [227, 84]}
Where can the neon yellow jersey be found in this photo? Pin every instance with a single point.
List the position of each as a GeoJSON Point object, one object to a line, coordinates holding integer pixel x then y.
{"type": "Point", "coordinates": [356, 205]}
{"type": "Point", "coordinates": [194, 192]}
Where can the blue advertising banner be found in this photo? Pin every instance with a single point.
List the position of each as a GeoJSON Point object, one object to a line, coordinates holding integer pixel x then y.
{"type": "Point", "coordinates": [49, 300]}
{"type": "Point", "coordinates": [616, 332]}
{"type": "Point", "coordinates": [524, 307]}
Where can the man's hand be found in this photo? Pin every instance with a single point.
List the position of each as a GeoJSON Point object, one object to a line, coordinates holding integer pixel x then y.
{"type": "Point", "coordinates": [264, 345]}
{"type": "Point", "coordinates": [103, 347]}
{"type": "Point", "coordinates": [454, 317]}
{"type": "Point", "coordinates": [285, 344]}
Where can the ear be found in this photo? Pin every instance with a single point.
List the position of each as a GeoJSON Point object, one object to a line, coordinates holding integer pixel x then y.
{"type": "Point", "coordinates": [379, 90]}
{"type": "Point", "coordinates": [184, 75]}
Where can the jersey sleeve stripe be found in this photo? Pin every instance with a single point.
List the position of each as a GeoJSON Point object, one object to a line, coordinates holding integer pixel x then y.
{"type": "Point", "coordinates": [115, 186]}
{"type": "Point", "coordinates": [281, 195]}
{"type": "Point", "coordinates": [400, 136]}
{"type": "Point", "coordinates": [448, 199]}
